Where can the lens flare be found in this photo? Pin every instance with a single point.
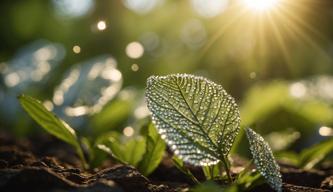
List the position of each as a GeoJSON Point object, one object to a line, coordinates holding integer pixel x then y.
{"type": "Point", "coordinates": [260, 5]}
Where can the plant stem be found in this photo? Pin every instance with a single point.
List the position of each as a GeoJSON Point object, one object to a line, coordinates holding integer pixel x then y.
{"type": "Point", "coordinates": [226, 168]}
{"type": "Point", "coordinates": [211, 172]}
{"type": "Point", "coordinates": [82, 158]}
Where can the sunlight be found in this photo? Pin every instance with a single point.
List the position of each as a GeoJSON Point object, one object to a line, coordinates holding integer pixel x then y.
{"type": "Point", "coordinates": [260, 5]}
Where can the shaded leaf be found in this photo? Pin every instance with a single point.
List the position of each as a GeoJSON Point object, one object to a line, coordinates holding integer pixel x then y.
{"type": "Point", "coordinates": [108, 150]}
{"type": "Point", "coordinates": [264, 160]}
{"type": "Point", "coordinates": [310, 157]}
{"type": "Point", "coordinates": [124, 150]}
{"type": "Point", "coordinates": [196, 117]}
{"type": "Point", "coordinates": [155, 148]}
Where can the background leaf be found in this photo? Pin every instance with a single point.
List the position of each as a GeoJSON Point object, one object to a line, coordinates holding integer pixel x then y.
{"type": "Point", "coordinates": [123, 149]}
{"type": "Point", "coordinates": [51, 123]}
{"type": "Point", "coordinates": [155, 148]}
{"type": "Point", "coordinates": [264, 160]}
{"type": "Point", "coordinates": [310, 157]}
{"type": "Point", "coordinates": [196, 117]}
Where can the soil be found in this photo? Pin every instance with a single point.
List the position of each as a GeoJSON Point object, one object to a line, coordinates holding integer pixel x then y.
{"type": "Point", "coordinates": [43, 163]}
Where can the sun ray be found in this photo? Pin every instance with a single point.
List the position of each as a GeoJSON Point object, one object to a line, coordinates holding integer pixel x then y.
{"type": "Point", "coordinates": [280, 41]}
{"type": "Point", "coordinates": [304, 31]}
{"type": "Point", "coordinates": [231, 22]}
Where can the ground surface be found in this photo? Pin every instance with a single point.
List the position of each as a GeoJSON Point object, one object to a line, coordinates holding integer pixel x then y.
{"type": "Point", "coordinates": [44, 163]}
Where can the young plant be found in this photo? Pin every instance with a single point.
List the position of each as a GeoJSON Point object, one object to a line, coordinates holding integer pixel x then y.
{"type": "Point", "coordinates": [199, 121]}
{"type": "Point", "coordinates": [51, 123]}
{"type": "Point", "coordinates": [145, 152]}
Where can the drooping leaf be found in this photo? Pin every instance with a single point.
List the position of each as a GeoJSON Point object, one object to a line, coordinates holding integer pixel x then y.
{"type": "Point", "coordinates": [155, 148]}
{"type": "Point", "coordinates": [51, 123]}
{"type": "Point", "coordinates": [310, 157]}
{"type": "Point", "coordinates": [196, 117]}
{"type": "Point", "coordinates": [264, 160]}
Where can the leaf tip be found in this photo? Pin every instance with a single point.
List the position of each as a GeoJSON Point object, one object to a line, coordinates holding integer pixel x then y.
{"type": "Point", "coordinates": [264, 159]}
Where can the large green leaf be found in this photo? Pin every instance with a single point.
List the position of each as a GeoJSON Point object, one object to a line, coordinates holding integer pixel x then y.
{"type": "Point", "coordinates": [196, 117]}
{"type": "Point", "coordinates": [51, 123]}
{"type": "Point", "coordinates": [264, 160]}
{"type": "Point", "coordinates": [155, 147]}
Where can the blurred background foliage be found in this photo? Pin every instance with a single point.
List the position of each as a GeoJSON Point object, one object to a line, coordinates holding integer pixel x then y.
{"type": "Point", "coordinates": [89, 61]}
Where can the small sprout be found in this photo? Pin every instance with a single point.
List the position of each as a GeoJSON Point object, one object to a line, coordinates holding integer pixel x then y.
{"type": "Point", "coordinates": [264, 160]}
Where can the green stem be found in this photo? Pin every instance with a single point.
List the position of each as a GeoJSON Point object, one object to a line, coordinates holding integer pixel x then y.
{"type": "Point", "coordinates": [82, 158]}
{"type": "Point", "coordinates": [211, 172]}
{"type": "Point", "coordinates": [226, 168]}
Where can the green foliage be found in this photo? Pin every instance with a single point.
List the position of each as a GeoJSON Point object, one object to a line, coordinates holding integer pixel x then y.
{"type": "Point", "coordinates": [145, 153]}
{"type": "Point", "coordinates": [249, 180]}
{"type": "Point", "coordinates": [115, 114]}
{"type": "Point", "coordinates": [276, 96]}
{"type": "Point", "coordinates": [124, 150]}
{"type": "Point", "coordinates": [212, 172]}
{"type": "Point", "coordinates": [264, 160]}
{"type": "Point", "coordinates": [196, 117]}
{"type": "Point", "coordinates": [310, 157]}
{"type": "Point", "coordinates": [51, 123]}
{"type": "Point", "coordinates": [153, 155]}
{"type": "Point", "coordinates": [200, 121]}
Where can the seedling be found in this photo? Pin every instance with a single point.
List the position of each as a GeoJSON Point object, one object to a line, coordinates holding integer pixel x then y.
{"type": "Point", "coordinates": [145, 152]}
{"type": "Point", "coordinates": [199, 121]}
{"type": "Point", "coordinates": [51, 123]}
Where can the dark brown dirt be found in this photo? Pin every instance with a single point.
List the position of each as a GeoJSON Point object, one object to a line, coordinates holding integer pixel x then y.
{"type": "Point", "coordinates": [44, 163]}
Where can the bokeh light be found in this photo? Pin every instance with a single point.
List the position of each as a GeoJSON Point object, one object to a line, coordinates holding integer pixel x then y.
{"type": "Point", "coordinates": [135, 67]}
{"type": "Point", "coordinates": [128, 131]}
{"type": "Point", "coordinates": [210, 8]}
{"type": "Point", "coordinates": [326, 131]}
{"type": "Point", "coordinates": [101, 25]}
{"type": "Point", "coordinates": [134, 50]}
{"type": "Point", "coordinates": [194, 34]}
{"type": "Point", "coordinates": [76, 49]}
{"type": "Point", "coordinates": [72, 8]}
{"type": "Point", "coordinates": [141, 6]}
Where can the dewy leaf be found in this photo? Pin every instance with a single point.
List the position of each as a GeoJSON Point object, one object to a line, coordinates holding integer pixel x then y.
{"type": "Point", "coordinates": [196, 117]}
{"type": "Point", "coordinates": [264, 160]}
{"type": "Point", "coordinates": [155, 147]}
